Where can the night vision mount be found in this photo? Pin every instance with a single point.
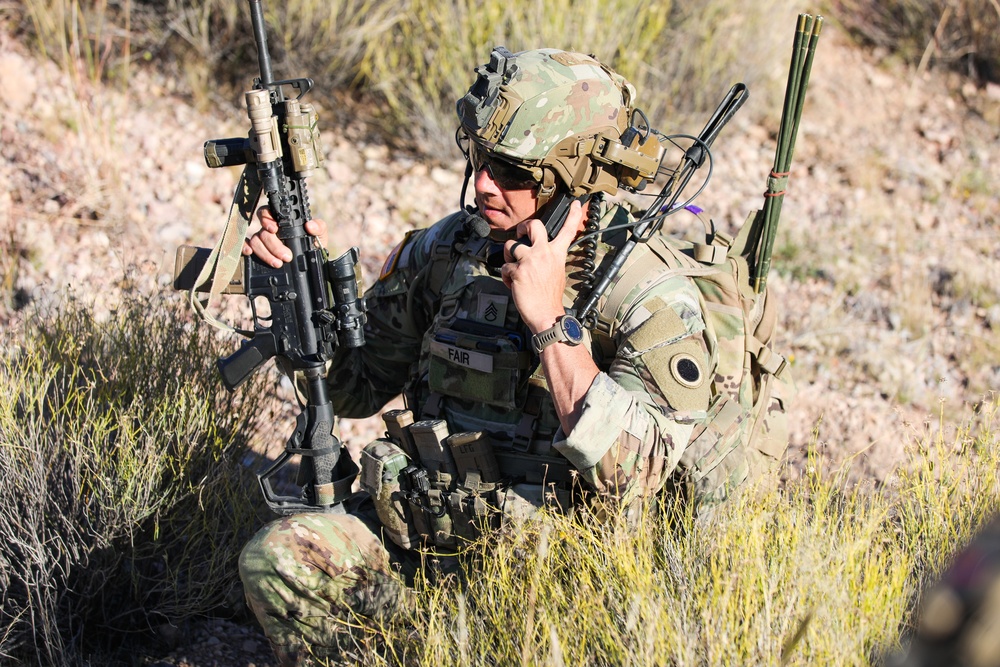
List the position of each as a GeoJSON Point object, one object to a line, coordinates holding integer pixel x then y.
{"type": "Point", "coordinates": [479, 104]}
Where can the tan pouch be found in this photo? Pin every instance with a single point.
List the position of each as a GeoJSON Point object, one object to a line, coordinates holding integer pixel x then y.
{"type": "Point", "coordinates": [382, 465]}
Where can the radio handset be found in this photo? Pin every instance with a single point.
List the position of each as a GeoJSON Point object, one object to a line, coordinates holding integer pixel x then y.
{"type": "Point", "coordinates": [554, 214]}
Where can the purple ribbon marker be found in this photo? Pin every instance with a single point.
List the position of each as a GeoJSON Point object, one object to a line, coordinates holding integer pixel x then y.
{"type": "Point", "coordinates": [697, 210]}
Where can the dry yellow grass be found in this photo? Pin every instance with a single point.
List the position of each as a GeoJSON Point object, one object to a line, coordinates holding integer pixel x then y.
{"type": "Point", "coordinates": [820, 572]}
{"type": "Point", "coordinates": [817, 573]}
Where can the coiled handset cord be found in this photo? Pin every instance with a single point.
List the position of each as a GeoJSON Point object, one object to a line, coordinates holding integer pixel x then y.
{"type": "Point", "coordinates": [586, 250]}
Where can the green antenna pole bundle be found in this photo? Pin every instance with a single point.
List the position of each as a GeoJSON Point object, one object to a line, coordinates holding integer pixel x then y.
{"type": "Point", "coordinates": [766, 224]}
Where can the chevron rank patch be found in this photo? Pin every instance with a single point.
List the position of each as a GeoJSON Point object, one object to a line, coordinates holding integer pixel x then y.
{"type": "Point", "coordinates": [492, 309]}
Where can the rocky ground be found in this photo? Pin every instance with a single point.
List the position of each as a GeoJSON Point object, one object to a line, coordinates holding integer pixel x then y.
{"type": "Point", "coordinates": [888, 269]}
{"type": "Point", "coordinates": [214, 643]}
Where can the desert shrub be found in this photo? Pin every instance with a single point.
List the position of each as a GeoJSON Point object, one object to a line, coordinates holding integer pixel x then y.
{"type": "Point", "coordinates": [414, 58]}
{"type": "Point", "coordinates": [78, 36]}
{"type": "Point", "coordinates": [123, 501]}
{"type": "Point", "coordinates": [426, 62]}
{"type": "Point", "coordinates": [101, 40]}
{"type": "Point", "coordinates": [681, 55]}
{"type": "Point", "coordinates": [963, 35]}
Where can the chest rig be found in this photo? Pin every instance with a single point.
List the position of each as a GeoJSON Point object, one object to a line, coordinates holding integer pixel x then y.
{"type": "Point", "coordinates": [473, 446]}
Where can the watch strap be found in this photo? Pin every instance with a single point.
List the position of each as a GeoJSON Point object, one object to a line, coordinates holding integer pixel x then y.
{"type": "Point", "coordinates": [543, 339]}
{"type": "Point", "coordinates": [557, 333]}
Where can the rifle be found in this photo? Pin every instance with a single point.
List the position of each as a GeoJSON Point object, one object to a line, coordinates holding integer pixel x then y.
{"type": "Point", "coordinates": [314, 304]}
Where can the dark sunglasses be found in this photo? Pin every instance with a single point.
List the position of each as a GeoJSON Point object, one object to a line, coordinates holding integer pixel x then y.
{"type": "Point", "coordinates": [507, 175]}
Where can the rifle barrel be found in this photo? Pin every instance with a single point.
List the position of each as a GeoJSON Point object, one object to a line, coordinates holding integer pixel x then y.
{"type": "Point", "coordinates": [260, 37]}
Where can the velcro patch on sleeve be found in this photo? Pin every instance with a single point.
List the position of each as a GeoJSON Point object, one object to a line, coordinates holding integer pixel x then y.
{"type": "Point", "coordinates": [680, 372]}
{"type": "Point", "coordinates": [392, 261]}
{"type": "Point", "coordinates": [676, 360]}
{"type": "Point", "coordinates": [661, 328]}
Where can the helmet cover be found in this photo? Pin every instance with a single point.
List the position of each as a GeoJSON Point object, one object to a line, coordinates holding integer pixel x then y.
{"type": "Point", "coordinates": [562, 113]}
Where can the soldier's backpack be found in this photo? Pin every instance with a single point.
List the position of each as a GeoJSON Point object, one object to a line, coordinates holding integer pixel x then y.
{"type": "Point", "coordinates": [746, 433]}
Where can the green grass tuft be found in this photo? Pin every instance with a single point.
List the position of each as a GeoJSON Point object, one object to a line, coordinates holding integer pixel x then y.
{"type": "Point", "coordinates": [123, 503]}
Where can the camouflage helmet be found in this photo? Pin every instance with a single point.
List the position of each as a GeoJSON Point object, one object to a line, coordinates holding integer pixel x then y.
{"type": "Point", "coordinates": [563, 116]}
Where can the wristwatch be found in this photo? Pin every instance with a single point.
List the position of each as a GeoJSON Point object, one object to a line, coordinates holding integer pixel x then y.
{"type": "Point", "coordinates": [567, 329]}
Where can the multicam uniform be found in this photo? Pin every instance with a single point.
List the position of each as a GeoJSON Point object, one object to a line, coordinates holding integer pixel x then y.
{"type": "Point", "coordinates": [443, 331]}
{"type": "Point", "coordinates": [684, 391]}
{"type": "Point", "coordinates": [434, 319]}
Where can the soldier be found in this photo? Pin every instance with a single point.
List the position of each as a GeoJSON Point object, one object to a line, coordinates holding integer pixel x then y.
{"type": "Point", "coordinates": [958, 622]}
{"type": "Point", "coordinates": [516, 403]}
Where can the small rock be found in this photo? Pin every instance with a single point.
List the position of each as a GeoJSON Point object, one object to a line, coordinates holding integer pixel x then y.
{"type": "Point", "coordinates": [250, 646]}
{"type": "Point", "coordinates": [16, 81]}
{"type": "Point", "coordinates": [442, 176]}
{"type": "Point", "coordinates": [993, 317]}
{"type": "Point", "coordinates": [194, 171]}
{"type": "Point", "coordinates": [340, 172]}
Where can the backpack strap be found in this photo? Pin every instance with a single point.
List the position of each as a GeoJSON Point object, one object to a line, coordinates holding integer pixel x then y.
{"type": "Point", "coordinates": [717, 242]}
{"type": "Point", "coordinates": [709, 253]}
{"type": "Point", "coordinates": [769, 360]}
{"type": "Point", "coordinates": [759, 343]}
{"type": "Point", "coordinates": [660, 261]}
{"type": "Point", "coordinates": [631, 275]}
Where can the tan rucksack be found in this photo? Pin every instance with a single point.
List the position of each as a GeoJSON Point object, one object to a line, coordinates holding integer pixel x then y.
{"type": "Point", "coordinates": [746, 434]}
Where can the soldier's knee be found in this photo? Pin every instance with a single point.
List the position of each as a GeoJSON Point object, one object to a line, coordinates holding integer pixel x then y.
{"type": "Point", "coordinates": [257, 559]}
{"type": "Point", "coordinates": [305, 545]}
{"type": "Point", "coordinates": [333, 557]}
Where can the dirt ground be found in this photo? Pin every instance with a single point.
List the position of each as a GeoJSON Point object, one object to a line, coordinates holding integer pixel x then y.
{"type": "Point", "coordinates": [887, 269]}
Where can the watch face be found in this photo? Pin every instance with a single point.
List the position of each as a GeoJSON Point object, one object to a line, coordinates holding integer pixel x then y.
{"type": "Point", "coordinates": [571, 327]}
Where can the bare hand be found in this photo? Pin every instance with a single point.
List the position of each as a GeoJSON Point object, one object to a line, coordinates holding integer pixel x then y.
{"type": "Point", "coordinates": [266, 245]}
{"type": "Point", "coordinates": [536, 274]}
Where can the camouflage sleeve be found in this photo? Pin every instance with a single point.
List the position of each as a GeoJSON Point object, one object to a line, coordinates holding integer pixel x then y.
{"type": "Point", "coordinates": [399, 305]}
{"type": "Point", "coordinates": [639, 416]}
